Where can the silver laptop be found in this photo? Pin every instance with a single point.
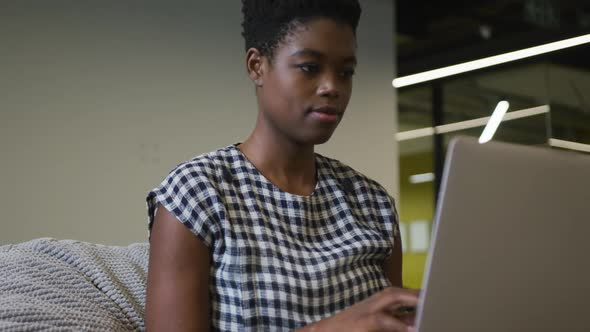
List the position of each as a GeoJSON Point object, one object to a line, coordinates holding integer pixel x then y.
{"type": "Point", "coordinates": [511, 241]}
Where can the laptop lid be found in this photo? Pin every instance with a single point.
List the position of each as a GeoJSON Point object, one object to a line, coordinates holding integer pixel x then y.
{"type": "Point", "coordinates": [511, 241]}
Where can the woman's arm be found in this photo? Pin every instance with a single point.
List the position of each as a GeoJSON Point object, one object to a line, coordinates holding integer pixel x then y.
{"type": "Point", "coordinates": [178, 278]}
{"type": "Point", "coordinates": [393, 263]}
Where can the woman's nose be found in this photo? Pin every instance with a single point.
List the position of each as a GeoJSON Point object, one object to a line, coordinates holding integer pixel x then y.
{"type": "Point", "coordinates": [329, 86]}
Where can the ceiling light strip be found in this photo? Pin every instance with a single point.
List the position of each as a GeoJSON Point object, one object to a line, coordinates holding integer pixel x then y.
{"type": "Point", "coordinates": [421, 178]}
{"type": "Point", "coordinates": [488, 62]}
{"type": "Point", "coordinates": [451, 127]}
{"type": "Point", "coordinates": [527, 112]}
{"type": "Point", "coordinates": [468, 124]}
{"type": "Point", "coordinates": [413, 134]}
{"type": "Point", "coordinates": [492, 126]}
{"type": "Point", "coordinates": [558, 143]}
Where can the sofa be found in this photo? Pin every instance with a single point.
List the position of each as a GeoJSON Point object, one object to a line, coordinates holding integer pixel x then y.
{"type": "Point", "coordinates": [65, 285]}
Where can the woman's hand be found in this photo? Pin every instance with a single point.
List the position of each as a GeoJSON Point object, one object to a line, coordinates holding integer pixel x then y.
{"type": "Point", "coordinates": [380, 312]}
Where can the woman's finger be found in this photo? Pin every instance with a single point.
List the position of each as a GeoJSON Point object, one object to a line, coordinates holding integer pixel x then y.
{"type": "Point", "coordinates": [394, 298]}
{"type": "Point", "coordinates": [389, 323]}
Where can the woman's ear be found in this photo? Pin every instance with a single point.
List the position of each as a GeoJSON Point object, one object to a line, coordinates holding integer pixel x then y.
{"type": "Point", "coordinates": [254, 66]}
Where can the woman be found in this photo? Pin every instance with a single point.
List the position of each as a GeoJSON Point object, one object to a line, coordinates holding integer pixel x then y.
{"type": "Point", "coordinates": [266, 234]}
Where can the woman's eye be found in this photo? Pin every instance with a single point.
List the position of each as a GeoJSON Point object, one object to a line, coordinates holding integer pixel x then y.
{"type": "Point", "coordinates": [347, 73]}
{"type": "Point", "coordinates": [309, 68]}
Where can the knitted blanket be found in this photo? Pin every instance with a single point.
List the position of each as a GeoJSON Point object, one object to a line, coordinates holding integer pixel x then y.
{"type": "Point", "coordinates": [51, 285]}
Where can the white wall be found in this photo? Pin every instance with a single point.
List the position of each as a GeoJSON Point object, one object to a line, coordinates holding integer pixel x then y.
{"type": "Point", "coordinates": [100, 99]}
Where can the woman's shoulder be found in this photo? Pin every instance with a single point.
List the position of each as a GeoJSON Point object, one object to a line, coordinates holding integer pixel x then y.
{"type": "Point", "coordinates": [208, 163]}
{"type": "Point", "coordinates": [207, 168]}
{"type": "Point", "coordinates": [192, 192]}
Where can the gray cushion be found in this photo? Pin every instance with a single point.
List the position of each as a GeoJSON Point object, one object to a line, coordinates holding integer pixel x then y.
{"type": "Point", "coordinates": [51, 285]}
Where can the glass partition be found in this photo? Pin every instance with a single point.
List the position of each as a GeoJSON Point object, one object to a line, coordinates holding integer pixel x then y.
{"type": "Point", "coordinates": [548, 107]}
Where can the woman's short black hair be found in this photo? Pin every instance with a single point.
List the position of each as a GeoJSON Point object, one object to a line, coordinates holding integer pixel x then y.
{"type": "Point", "coordinates": [268, 22]}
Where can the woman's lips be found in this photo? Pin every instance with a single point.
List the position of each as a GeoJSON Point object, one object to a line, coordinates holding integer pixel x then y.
{"type": "Point", "coordinates": [326, 114]}
{"type": "Point", "coordinates": [325, 117]}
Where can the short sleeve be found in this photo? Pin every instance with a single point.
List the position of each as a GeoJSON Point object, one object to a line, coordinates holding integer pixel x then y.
{"type": "Point", "coordinates": [188, 192]}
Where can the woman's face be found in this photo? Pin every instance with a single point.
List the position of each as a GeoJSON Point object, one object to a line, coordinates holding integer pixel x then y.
{"type": "Point", "coordinates": [303, 92]}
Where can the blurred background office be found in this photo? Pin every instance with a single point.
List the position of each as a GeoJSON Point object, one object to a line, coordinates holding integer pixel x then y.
{"type": "Point", "coordinates": [100, 99]}
{"type": "Point", "coordinates": [463, 65]}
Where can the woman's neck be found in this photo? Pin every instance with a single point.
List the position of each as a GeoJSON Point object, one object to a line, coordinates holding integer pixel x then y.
{"type": "Point", "coordinates": [288, 165]}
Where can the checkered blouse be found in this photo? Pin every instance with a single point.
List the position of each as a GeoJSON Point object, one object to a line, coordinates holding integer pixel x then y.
{"type": "Point", "coordinates": [281, 261]}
